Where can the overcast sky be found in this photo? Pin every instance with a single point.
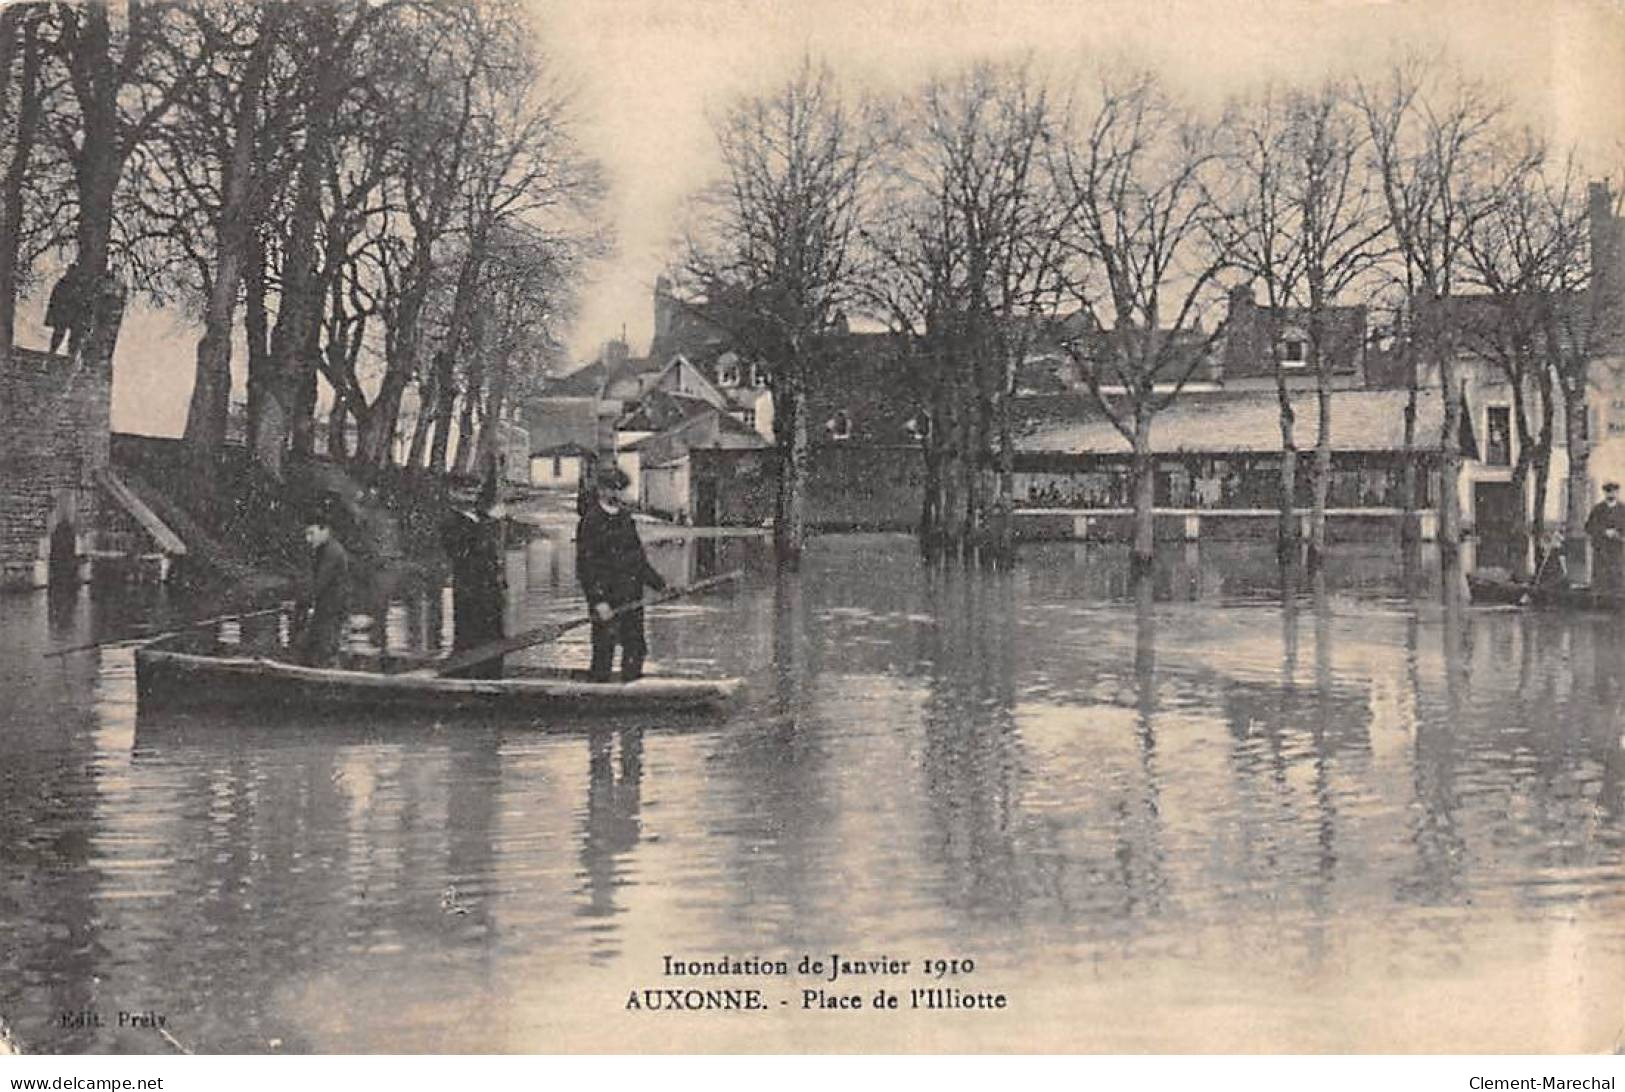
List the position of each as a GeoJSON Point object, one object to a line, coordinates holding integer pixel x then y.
{"type": "Point", "coordinates": [648, 72]}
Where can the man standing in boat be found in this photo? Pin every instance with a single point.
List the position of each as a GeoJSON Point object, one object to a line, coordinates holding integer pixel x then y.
{"type": "Point", "coordinates": [474, 543]}
{"type": "Point", "coordinates": [1605, 526]}
{"type": "Point", "coordinates": [613, 570]}
{"type": "Point", "coordinates": [326, 610]}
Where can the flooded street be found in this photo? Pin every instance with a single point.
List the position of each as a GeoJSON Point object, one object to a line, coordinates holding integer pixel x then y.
{"type": "Point", "coordinates": [1199, 819]}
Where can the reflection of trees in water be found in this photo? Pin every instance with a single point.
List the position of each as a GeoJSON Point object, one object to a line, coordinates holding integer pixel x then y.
{"type": "Point", "coordinates": [610, 828]}
{"type": "Point", "coordinates": [1294, 753]}
{"type": "Point", "coordinates": [969, 754]}
{"type": "Point", "coordinates": [51, 930]}
{"type": "Point", "coordinates": [1435, 833]}
{"type": "Point", "coordinates": [778, 777]}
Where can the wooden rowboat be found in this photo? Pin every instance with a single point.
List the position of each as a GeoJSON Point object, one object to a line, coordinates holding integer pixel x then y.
{"type": "Point", "coordinates": [186, 671]}
{"type": "Point", "coordinates": [1487, 589]}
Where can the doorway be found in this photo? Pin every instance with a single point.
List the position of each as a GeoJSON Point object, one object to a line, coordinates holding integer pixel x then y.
{"type": "Point", "coordinates": [705, 502]}
{"type": "Point", "coordinates": [1495, 507]}
{"type": "Point", "coordinates": [64, 564]}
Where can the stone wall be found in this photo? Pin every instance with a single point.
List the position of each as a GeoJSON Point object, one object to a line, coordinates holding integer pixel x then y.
{"type": "Point", "coordinates": [55, 415]}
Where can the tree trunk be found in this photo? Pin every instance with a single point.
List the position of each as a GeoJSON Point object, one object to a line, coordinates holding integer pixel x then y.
{"type": "Point", "coordinates": [211, 389]}
{"type": "Point", "coordinates": [1323, 475]}
{"type": "Point", "coordinates": [445, 403]}
{"type": "Point", "coordinates": [1145, 495]}
{"type": "Point", "coordinates": [790, 505]}
{"type": "Point", "coordinates": [377, 433]}
{"type": "Point", "coordinates": [1004, 544]}
{"type": "Point", "coordinates": [1408, 524]}
{"type": "Point", "coordinates": [421, 425]}
{"type": "Point", "coordinates": [300, 305]}
{"type": "Point", "coordinates": [96, 174]}
{"type": "Point", "coordinates": [1449, 458]}
{"type": "Point", "coordinates": [1576, 412]}
{"type": "Point", "coordinates": [491, 431]}
{"type": "Point", "coordinates": [473, 396]}
{"type": "Point", "coordinates": [337, 441]}
{"type": "Point", "coordinates": [27, 128]}
{"type": "Point", "coordinates": [1286, 528]}
{"type": "Point", "coordinates": [1542, 466]}
{"type": "Point", "coordinates": [931, 500]}
{"type": "Point", "coordinates": [257, 323]}
{"type": "Point", "coordinates": [402, 361]}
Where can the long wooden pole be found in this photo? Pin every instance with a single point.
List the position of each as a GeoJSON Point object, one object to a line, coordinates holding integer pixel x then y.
{"type": "Point", "coordinates": [143, 639]}
{"type": "Point", "coordinates": [542, 634]}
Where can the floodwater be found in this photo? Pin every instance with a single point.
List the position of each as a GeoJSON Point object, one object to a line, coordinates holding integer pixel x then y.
{"type": "Point", "coordinates": [1197, 817]}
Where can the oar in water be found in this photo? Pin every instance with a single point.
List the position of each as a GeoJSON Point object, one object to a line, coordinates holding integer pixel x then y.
{"type": "Point", "coordinates": [542, 634]}
{"type": "Point", "coordinates": [144, 638]}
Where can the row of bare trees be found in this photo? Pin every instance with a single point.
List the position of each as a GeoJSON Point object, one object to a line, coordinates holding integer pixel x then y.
{"type": "Point", "coordinates": [995, 206]}
{"type": "Point", "coordinates": [388, 193]}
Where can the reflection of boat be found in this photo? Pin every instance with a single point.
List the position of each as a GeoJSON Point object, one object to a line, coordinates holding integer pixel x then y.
{"type": "Point", "coordinates": [1489, 589]}
{"type": "Point", "coordinates": [189, 670]}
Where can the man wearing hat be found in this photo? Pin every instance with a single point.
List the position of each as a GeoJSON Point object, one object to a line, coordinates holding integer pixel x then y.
{"type": "Point", "coordinates": [326, 610]}
{"type": "Point", "coordinates": [473, 541]}
{"type": "Point", "coordinates": [613, 569]}
{"type": "Point", "coordinates": [1605, 526]}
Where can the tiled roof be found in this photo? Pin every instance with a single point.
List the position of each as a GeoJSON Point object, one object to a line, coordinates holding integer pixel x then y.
{"type": "Point", "coordinates": [660, 410]}
{"type": "Point", "coordinates": [1249, 325]}
{"type": "Point", "coordinates": [567, 448]}
{"type": "Point", "coordinates": [1230, 421]}
{"type": "Point", "coordinates": [587, 382]}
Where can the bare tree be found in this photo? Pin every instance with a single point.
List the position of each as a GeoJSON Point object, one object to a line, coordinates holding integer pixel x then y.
{"type": "Point", "coordinates": [123, 87]}
{"type": "Point", "coordinates": [214, 161]}
{"type": "Point", "coordinates": [1133, 174]}
{"type": "Point", "coordinates": [23, 47]}
{"type": "Point", "coordinates": [775, 249]}
{"type": "Point", "coordinates": [1526, 252]}
{"type": "Point", "coordinates": [1580, 336]}
{"type": "Point", "coordinates": [1430, 132]}
{"type": "Point", "coordinates": [1305, 222]}
{"type": "Point", "coordinates": [969, 270]}
{"type": "Point", "coordinates": [1258, 228]}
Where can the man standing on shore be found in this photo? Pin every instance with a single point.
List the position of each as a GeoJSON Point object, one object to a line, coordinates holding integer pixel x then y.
{"type": "Point", "coordinates": [1605, 526]}
{"type": "Point", "coordinates": [64, 312]}
{"type": "Point", "coordinates": [613, 569]}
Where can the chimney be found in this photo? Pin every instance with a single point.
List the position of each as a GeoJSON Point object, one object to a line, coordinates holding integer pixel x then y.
{"type": "Point", "coordinates": [1605, 232]}
{"type": "Point", "coordinates": [1240, 332]}
{"type": "Point", "coordinates": [665, 308]}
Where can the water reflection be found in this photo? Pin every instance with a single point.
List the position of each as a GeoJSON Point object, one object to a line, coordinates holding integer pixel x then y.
{"type": "Point", "coordinates": [1245, 783]}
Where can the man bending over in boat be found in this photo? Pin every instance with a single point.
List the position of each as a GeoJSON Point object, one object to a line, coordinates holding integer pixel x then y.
{"type": "Point", "coordinates": [613, 569]}
{"type": "Point", "coordinates": [1553, 571]}
{"type": "Point", "coordinates": [326, 611]}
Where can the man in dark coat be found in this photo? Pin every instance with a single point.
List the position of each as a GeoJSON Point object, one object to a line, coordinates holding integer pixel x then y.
{"type": "Point", "coordinates": [613, 569]}
{"type": "Point", "coordinates": [326, 610]}
{"type": "Point", "coordinates": [63, 312]}
{"type": "Point", "coordinates": [1605, 526]}
{"type": "Point", "coordinates": [474, 544]}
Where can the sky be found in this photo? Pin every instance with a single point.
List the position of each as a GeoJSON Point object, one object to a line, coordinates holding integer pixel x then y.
{"type": "Point", "coordinates": [649, 74]}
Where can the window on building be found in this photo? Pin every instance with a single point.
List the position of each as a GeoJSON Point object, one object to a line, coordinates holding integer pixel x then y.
{"type": "Point", "coordinates": [558, 466]}
{"type": "Point", "coordinates": [1294, 350]}
{"type": "Point", "coordinates": [839, 426]}
{"type": "Point", "coordinates": [1498, 436]}
{"type": "Point", "coordinates": [758, 376]}
{"type": "Point", "coordinates": [727, 373]}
